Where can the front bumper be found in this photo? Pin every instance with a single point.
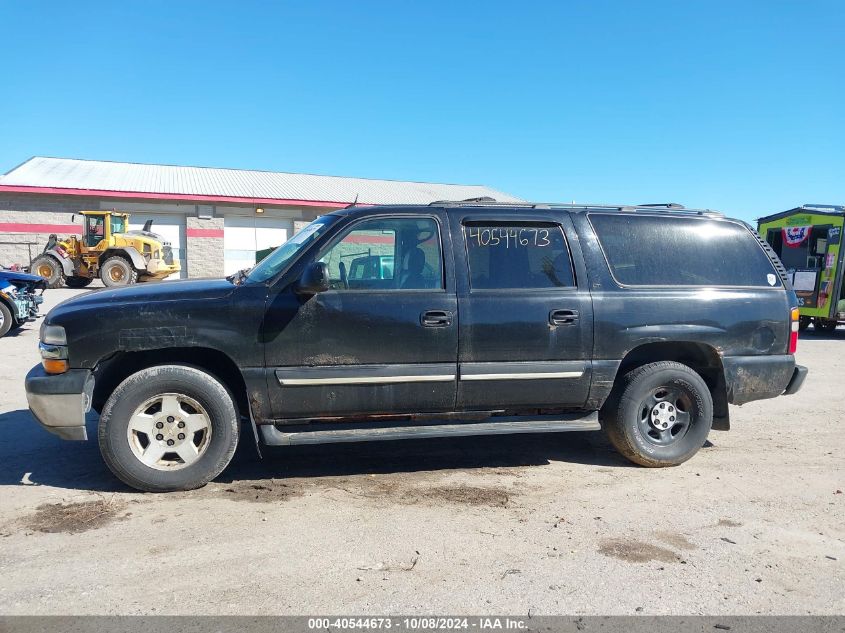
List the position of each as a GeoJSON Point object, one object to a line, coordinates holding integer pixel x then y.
{"type": "Point", "coordinates": [59, 402]}
{"type": "Point", "coordinates": [159, 268]}
{"type": "Point", "coordinates": [25, 307]}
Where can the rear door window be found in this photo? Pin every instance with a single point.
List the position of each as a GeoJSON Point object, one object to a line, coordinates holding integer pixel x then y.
{"type": "Point", "coordinates": [517, 255]}
{"type": "Point", "coordinates": [665, 251]}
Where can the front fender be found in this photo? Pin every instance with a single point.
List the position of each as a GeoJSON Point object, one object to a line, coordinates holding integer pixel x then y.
{"type": "Point", "coordinates": [12, 307]}
{"type": "Point", "coordinates": [64, 262]}
{"type": "Point", "coordinates": [138, 260]}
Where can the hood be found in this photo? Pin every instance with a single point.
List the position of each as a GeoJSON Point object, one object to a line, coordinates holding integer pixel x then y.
{"type": "Point", "coordinates": [12, 276]}
{"type": "Point", "coordinates": [141, 233]}
{"type": "Point", "coordinates": [150, 292]}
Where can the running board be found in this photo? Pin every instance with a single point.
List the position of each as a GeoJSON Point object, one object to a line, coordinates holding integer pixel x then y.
{"type": "Point", "coordinates": [275, 436]}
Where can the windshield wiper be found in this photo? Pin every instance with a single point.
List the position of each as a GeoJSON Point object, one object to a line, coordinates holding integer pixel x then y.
{"type": "Point", "coordinates": [238, 277]}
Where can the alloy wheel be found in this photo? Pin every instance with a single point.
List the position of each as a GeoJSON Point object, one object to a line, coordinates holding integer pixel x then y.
{"type": "Point", "coordinates": [169, 431]}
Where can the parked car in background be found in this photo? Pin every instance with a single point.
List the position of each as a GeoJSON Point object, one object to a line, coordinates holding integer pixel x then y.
{"type": "Point", "coordinates": [459, 319]}
{"type": "Point", "coordinates": [19, 298]}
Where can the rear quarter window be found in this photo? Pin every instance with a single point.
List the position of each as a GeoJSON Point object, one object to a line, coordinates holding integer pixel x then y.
{"type": "Point", "coordinates": [665, 251]}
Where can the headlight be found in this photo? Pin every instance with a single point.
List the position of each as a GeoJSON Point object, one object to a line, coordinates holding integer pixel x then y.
{"type": "Point", "coordinates": [53, 334]}
{"type": "Point", "coordinates": [53, 352]}
{"type": "Point", "coordinates": [53, 348]}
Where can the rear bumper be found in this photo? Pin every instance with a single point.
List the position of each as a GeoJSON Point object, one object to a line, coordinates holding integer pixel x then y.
{"type": "Point", "coordinates": [59, 402]}
{"type": "Point", "coordinates": [750, 378]}
{"type": "Point", "coordinates": [797, 380]}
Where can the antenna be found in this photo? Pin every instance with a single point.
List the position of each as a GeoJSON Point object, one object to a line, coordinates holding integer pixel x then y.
{"type": "Point", "coordinates": [354, 202]}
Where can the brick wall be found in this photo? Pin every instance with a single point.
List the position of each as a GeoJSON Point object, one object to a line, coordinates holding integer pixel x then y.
{"type": "Point", "coordinates": [205, 247]}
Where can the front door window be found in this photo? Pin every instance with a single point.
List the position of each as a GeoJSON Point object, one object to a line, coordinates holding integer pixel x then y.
{"type": "Point", "coordinates": [387, 254]}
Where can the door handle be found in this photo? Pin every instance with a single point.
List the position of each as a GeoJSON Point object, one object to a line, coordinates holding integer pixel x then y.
{"type": "Point", "coordinates": [436, 318]}
{"type": "Point", "coordinates": [563, 317]}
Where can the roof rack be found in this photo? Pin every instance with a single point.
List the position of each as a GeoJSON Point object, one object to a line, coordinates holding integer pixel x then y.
{"type": "Point", "coordinates": [663, 205]}
{"type": "Point", "coordinates": [483, 202]}
{"type": "Point", "coordinates": [490, 202]}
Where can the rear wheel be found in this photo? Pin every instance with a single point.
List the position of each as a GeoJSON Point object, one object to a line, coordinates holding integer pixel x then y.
{"type": "Point", "coordinates": [78, 282]}
{"type": "Point", "coordinates": [168, 428]}
{"type": "Point", "coordinates": [50, 269]}
{"type": "Point", "coordinates": [661, 416]}
{"type": "Point", "coordinates": [804, 323]}
{"type": "Point", "coordinates": [117, 271]}
{"type": "Point", "coordinates": [6, 319]}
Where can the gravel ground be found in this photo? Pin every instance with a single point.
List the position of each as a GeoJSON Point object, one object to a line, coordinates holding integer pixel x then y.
{"type": "Point", "coordinates": [548, 524]}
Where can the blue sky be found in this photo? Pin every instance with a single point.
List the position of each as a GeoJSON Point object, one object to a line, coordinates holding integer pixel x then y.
{"type": "Point", "coordinates": [737, 106]}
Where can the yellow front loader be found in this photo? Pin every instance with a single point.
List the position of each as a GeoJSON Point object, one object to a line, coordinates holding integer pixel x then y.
{"type": "Point", "coordinates": [108, 251]}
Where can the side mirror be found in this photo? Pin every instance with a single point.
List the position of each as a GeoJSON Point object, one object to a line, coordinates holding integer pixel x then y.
{"type": "Point", "coordinates": [315, 279]}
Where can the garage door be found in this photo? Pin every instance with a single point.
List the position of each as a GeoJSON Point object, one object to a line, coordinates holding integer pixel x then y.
{"type": "Point", "coordinates": [171, 228]}
{"type": "Point", "coordinates": [242, 236]}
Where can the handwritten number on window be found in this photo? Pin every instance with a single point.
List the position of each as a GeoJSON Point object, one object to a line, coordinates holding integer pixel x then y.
{"type": "Point", "coordinates": [509, 237]}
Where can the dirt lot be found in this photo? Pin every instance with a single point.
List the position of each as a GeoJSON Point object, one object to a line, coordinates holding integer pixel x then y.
{"type": "Point", "coordinates": [523, 524]}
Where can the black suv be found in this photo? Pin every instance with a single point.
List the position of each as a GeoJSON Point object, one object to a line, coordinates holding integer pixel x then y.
{"type": "Point", "coordinates": [397, 322]}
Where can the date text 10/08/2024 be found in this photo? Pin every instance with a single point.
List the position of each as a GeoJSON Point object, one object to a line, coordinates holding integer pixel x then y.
{"type": "Point", "coordinates": [422, 623]}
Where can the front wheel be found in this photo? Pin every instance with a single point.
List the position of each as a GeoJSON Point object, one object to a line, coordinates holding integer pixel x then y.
{"type": "Point", "coordinates": [167, 428]}
{"type": "Point", "coordinates": [6, 319]}
{"type": "Point", "coordinates": [661, 416]}
{"type": "Point", "coordinates": [117, 271]}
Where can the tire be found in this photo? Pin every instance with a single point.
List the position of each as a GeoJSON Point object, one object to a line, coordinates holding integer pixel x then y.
{"type": "Point", "coordinates": [128, 417]}
{"type": "Point", "coordinates": [78, 282]}
{"type": "Point", "coordinates": [117, 271]}
{"type": "Point", "coordinates": [804, 323]}
{"type": "Point", "coordinates": [50, 269]}
{"type": "Point", "coordinates": [6, 319]}
{"type": "Point", "coordinates": [634, 418]}
{"type": "Point", "coordinates": [825, 325]}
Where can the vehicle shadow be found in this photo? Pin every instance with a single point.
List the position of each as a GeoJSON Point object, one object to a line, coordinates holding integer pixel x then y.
{"type": "Point", "coordinates": [32, 455]}
{"type": "Point", "coordinates": [21, 330]}
{"type": "Point", "coordinates": [435, 454]}
{"type": "Point", "coordinates": [29, 453]}
{"type": "Point", "coordinates": [837, 334]}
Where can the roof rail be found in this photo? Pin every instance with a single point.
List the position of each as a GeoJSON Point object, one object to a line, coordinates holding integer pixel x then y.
{"type": "Point", "coordinates": [485, 201]}
{"type": "Point", "coordinates": [488, 202]}
{"type": "Point", "coordinates": [663, 205]}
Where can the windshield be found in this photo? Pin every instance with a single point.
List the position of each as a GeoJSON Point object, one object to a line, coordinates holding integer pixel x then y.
{"type": "Point", "coordinates": [271, 265]}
